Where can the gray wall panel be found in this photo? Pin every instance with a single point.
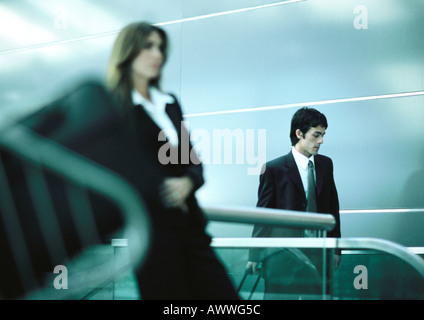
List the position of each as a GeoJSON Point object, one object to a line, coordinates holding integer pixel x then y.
{"type": "Point", "coordinates": [301, 52]}
{"type": "Point", "coordinates": [297, 53]}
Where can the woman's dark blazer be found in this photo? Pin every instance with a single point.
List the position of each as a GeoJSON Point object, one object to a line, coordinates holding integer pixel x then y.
{"type": "Point", "coordinates": [150, 141]}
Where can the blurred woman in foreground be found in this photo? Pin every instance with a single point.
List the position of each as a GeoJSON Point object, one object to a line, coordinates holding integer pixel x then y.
{"type": "Point", "coordinates": [180, 263]}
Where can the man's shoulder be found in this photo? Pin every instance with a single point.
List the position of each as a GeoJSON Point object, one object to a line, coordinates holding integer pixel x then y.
{"type": "Point", "coordinates": [324, 161]}
{"type": "Point", "coordinates": [288, 159]}
{"type": "Point", "coordinates": [322, 158]}
{"type": "Point", "coordinates": [278, 162]}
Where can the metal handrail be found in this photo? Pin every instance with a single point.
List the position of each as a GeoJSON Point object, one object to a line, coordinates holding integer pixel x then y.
{"type": "Point", "coordinates": [84, 173]}
{"type": "Point", "coordinates": [385, 246]}
{"type": "Point", "coordinates": [268, 216]}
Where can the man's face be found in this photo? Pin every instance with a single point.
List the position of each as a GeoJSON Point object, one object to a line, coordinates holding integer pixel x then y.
{"type": "Point", "coordinates": [310, 142]}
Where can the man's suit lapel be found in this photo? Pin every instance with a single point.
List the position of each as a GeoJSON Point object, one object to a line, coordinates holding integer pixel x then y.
{"type": "Point", "coordinates": [319, 174]}
{"type": "Point", "coordinates": [293, 173]}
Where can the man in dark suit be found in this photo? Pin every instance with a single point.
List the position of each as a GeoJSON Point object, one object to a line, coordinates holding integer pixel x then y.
{"type": "Point", "coordinates": [284, 185]}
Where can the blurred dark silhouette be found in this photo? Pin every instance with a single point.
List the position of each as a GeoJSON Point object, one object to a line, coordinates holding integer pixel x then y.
{"type": "Point", "coordinates": [86, 122]}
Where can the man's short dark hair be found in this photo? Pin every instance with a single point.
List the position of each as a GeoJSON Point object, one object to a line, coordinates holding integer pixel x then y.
{"type": "Point", "coordinates": [305, 119]}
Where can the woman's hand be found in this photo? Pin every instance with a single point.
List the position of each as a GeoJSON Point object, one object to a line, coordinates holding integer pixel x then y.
{"type": "Point", "coordinates": [175, 191]}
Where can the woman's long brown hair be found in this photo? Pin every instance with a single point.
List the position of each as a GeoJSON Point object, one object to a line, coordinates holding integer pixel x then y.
{"type": "Point", "coordinates": [130, 41]}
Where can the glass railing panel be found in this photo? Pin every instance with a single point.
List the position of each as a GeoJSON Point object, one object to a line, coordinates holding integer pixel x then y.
{"type": "Point", "coordinates": [375, 275]}
{"type": "Point", "coordinates": [235, 261]}
{"type": "Point", "coordinates": [363, 274]}
{"type": "Point", "coordinates": [281, 274]}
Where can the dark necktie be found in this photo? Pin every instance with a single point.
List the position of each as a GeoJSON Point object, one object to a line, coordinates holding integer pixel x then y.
{"type": "Point", "coordinates": [312, 198]}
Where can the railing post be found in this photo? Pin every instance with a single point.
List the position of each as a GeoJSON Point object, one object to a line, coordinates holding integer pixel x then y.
{"type": "Point", "coordinates": [118, 255]}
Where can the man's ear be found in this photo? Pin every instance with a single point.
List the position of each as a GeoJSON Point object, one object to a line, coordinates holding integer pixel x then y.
{"type": "Point", "coordinates": [299, 134]}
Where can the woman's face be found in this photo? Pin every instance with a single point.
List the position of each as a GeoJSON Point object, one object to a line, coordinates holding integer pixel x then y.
{"type": "Point", "coordinates": [148, 64]}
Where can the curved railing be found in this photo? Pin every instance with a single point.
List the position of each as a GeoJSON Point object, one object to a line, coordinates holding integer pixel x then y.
{"type": "Point", "coordinates": [290, 219]}
{"type": "Point", "coordinates": [37, 153]}
{"type": "Point", "coordinates": [294, 219]}
{"type": "Point", "coordinates": [385, 246]}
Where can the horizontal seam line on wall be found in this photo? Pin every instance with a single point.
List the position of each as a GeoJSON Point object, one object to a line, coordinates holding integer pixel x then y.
{"type": "Point", "coordinates": [308, 104]}
{"type": "Point", "coordinates": [111, 33]}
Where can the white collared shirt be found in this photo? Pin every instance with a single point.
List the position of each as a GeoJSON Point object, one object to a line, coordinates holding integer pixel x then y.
{"type": "Point", "coordinates": [156, 110]}
{"type": "Point", "coordinates": [302, 165]}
